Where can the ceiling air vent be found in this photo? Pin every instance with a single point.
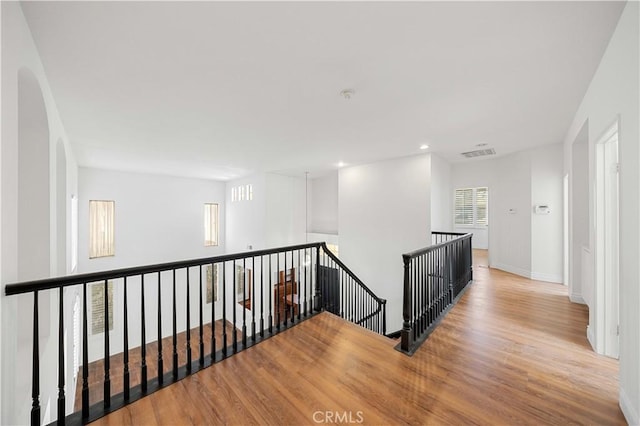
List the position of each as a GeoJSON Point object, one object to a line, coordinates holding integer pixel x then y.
{"type": "Point", "coordinates": [479, 153]}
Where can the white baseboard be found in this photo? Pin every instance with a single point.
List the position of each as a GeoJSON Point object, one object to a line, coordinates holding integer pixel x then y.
{"type": "Point", "coordinates": [538, 276]}
{"type": "Point", "coordinates": [630, 414]}
{"type": "Point", "coordinates": [576, 298]}
{"type": "Point", "coordinates": [512, 269]}
{"type": "Point", "coordinates": [591, 338]}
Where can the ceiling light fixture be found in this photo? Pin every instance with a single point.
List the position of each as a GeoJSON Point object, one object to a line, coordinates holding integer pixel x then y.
{"type": "Point", "coordinates": [347, 93]}
{"type": "Point", "coordinates": [424, 146]}
{"type": "Point", "coordinates": [341, 164]}
{"type": "Point", "coordinates": [481, 144]}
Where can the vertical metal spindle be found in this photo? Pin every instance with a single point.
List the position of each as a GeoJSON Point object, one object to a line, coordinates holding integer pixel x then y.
{"type": "Point", "coordinates": [244, 301]}
{"type": "Point", "coordinates": [317, 296]}
{"type": "Point", "coordinates": [85, 356]}
{"type": "Point", "coordinates": [107, 379]}
{"type": "Point", "coordinates": [201, 320]}
{"type": "Point", "coordinates": [35, 366]}
{"type": "Point", "coordinates": [286, 293]}
{"type": "Point", "coordinates": [261, 296]}
{"type": "Point", "coordinates": [214, 292]}
{"type": "Point", "coordinates": [270, 297]}
{"type": "Point", "coordinates": [307, 264]}
{"type": "Point", "coordinates": [126, 379]}
{"type": "Point", "coordinates": [188, 331]}
{"type": "Point", "coordinates": [143, 340]}
{"type": "Point", "coordinates": [235, 291]}
{"type": "Point", "coordinates": [299, 292]}
{"type": "Point", "coordinates": [175, 330]}
{"type": "Point", "coordinates": [61, 397]}
{"type": "Point", "coordinates": [224, 310]}
{"type": "Point", "coordinates": [252, 297]}
{"type": "Point", "coordinates": [160, 358]}
{"type": "Point", "coordinates": [278, 290]}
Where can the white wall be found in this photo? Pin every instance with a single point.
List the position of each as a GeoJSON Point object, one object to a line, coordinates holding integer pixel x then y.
{"type": "Point", "coordinates": [579, 283]}
{"type": "Point", "coordinates": [441, 195]}
{"type": "Point", "coordinates": [157, 219]}
{"type": "Point", "coordinates": [547, 189]}
{"type": "Point", "coordinates": [20, 56]}
{"type": "Point", "coordinates": [613, 93]}
{"type": "Point", "coordinates": [323, 204]}
{"type": "Point", "coordinates": [245, 226]}
{"type": "Point", "coordinates": [516, 183]}
{"type": "Point", "coordinates": [384, 212]}
{"type": "Point", "coordinates": [284, 210]}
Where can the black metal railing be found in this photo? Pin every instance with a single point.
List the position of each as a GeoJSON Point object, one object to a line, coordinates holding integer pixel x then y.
{"type": "Point", "coordinates": [434, 279]}
{"type": "Point", "coordinates": [235, 301]}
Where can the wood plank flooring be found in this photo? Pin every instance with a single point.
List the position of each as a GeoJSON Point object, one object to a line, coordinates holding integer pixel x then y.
{"type": "Point", "coordinates": [512, 351]}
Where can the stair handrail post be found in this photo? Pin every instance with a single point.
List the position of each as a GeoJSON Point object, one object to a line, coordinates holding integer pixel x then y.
{"type": "Point", "coordinates": [407, 332]}
{"type": "Point", "coordinates": [384, 316]}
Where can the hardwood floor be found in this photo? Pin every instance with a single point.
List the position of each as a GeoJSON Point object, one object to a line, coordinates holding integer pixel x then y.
{"type": "Point", "coordinates": [512, 351]}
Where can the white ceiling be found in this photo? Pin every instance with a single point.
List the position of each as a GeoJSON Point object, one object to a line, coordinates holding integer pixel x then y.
{"type": "Point", "coordinates": [219, 90]}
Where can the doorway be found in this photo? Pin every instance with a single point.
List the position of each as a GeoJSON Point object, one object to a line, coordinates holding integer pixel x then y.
{"type": "Point", "coordinates": [607, 241]}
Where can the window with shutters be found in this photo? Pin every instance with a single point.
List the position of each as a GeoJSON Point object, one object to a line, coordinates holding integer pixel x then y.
{"type": "Point", "coordinates": [97, 307]}
{"type": "Point", "coordinates": [101, 228]}
{"type": "Point", "coordinates": [471, 207]}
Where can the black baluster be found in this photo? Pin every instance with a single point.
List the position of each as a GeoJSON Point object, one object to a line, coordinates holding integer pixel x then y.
{"type": "Point", "coordinates": [262, 296]}
{"type": "Point", "coordinates": [85, 356]}
{"type": "Point", "coordinates": [234, 345]}
{"type": "Point", "coordinates": [160, 358]}
{"type": "Point", "coordinates": [214, 292]}
{"type": "Point", "coordinates": [244, 302]}
{"type": "Point", "coordinates": [406, 334]}
{"type": "Point", "coordinates": [270, 297]}
{"type": "Point", "coordinates": [188, 323]}
{"type": "Point", "coordinates": [284, 279]}
{"type": "Point", "coordinates": [143, 340]}
{"type": "Point", "coordinates": [286, 307]}
{"type": "Point", "coordinates": [317, 296]}
{"type": "Point", "coordinates": [307, 265]}
{"type": "Point", "coordinates": [107, 379]}
{"type": "Point", "coordinates": [175, 331]}
{"type": "Point", "coordinates": [298, 292]}
{"type": "Point", "coordinates": [61, 397]}
{"type": "Point", "coordinates": [126, 379]}
{"type": "Point", "coordinates": [224, 310]}
{"type": "Point", "coordinates": [252, 298]}
{"type": "Point", "coordinates": [35, 366]}
{"type": "Point", "coordinates": [201, 320]}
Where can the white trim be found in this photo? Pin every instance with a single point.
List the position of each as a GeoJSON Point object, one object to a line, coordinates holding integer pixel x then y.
{"type": "Point", "coordinates": [577, 298]}
{"type": "Point", "coordinates": [630, 414]}
{"type": "Point", "coordinates": [551, 278]}
{"type": "Point", "coordinates": [512, 269]}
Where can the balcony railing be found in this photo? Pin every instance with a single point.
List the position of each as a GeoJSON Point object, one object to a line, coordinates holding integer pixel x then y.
{"type": "Point", "coordinates": [434, 279]}
{"type": "Point", "coordinates": [215, 307]}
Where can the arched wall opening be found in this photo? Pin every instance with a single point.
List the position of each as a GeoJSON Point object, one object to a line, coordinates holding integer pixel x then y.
{"type": "Point", "coordinates": [34, 226]}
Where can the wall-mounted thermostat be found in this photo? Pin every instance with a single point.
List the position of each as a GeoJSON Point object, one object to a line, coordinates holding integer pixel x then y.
{"type": "Point", "coordinates": [542, 209]}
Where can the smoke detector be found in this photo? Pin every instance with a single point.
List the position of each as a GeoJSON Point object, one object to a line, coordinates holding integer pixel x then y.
{"type": "Point", "coordinates": [347, 93]}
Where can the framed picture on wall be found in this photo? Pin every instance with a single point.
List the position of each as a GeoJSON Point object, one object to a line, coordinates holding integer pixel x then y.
{"type": "Point", "coordinates": [212, 283]}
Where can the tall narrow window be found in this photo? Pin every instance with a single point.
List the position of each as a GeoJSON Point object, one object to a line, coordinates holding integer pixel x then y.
{"type": "Point", "coordinates": [249, 192]}
{"type": "Point", "coordinates": [101, 228]}
{"type": "Point", "coordinates": [471, 206]}
{"type": "Point", "coordinates": [210, 224]}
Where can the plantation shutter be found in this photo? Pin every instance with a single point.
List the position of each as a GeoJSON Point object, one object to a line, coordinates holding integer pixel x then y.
{"type": "Point", "coordinates": [464, 206]}
{"type": "Point", "coordinates": [481, 206]}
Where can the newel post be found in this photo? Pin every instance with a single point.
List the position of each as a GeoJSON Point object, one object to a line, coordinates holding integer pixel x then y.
{"type": "Point", "coordinates": [406, 335]}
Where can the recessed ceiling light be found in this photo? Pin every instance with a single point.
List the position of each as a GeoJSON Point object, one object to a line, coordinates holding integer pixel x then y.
{"type": "Point", "coordinates": [424, 146]}
{"type": "Point", "coordinates": [341, 164]}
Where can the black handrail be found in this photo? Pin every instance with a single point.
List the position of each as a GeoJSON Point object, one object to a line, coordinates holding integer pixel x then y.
{"type": "Point", "coordinates": [297, 298]}
{"type": "Point", "coordinates": [434, 279]}
{"type": "Point", "coordinates": [366, 315]}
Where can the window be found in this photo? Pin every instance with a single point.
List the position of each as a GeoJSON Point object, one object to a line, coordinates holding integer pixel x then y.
{"type": "Point", "coordinates": [210, 224]}
{"type": "Point", "coordinates": [101, 228]}
{"type": "Point", "coordinates": [97, 307]}
{"type": "Point", "coordinates": [242, 193]}
{"type": "Point", "coordinates": [471, 206]}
